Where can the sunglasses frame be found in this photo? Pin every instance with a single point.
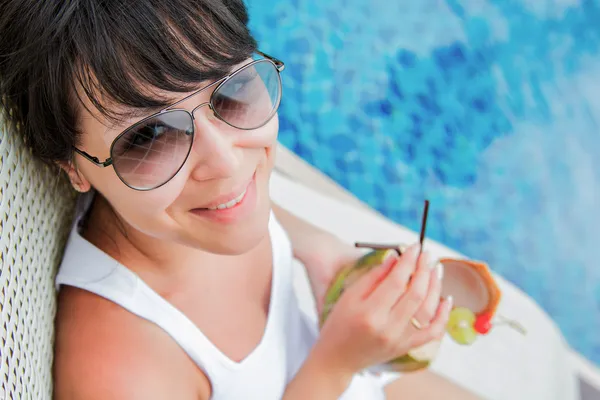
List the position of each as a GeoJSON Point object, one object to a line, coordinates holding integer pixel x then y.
{"type": "Point", "coordinates": [279, 66]}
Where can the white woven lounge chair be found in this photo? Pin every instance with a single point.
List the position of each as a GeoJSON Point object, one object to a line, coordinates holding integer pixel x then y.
{"type": "Point", "coordinates": [35, 216]}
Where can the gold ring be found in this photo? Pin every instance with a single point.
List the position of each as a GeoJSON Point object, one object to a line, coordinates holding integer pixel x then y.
{"type": "Point", "coordinates": [416, 323]}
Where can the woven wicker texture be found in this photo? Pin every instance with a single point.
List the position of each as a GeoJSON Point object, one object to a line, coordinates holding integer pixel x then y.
{"type": "Point", "coordinates": [35, 214]}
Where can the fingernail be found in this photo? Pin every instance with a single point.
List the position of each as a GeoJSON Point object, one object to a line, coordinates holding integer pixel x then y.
{"type": "Point", "coordinates": [439, 270]}
{"type": "Point", "coordinates": [431, 261]}
{"type": "Point", "coordinates": [426, 258]}
{"type": "Point", "coordinates": [414, 249]}
{"type": "Point", "coordinates": [389, 258]}
{"type": "Point", "coordinates": [450, 301]}
{"type": "Point", "coordinates": [389, 254]}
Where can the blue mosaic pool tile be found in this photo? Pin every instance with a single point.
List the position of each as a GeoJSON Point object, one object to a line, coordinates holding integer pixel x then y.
{"type": "Point", "coordinates": [486, 108]}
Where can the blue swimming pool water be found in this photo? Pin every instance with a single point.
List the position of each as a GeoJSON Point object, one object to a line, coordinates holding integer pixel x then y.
{"type": "Point", "coordinates": [488, 108]}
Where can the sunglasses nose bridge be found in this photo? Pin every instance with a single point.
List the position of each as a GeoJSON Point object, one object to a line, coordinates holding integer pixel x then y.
{"type": "Point", "coordinates": [200, 106]}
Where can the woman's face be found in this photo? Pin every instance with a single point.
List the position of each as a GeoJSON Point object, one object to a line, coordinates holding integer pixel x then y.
{"type": "Point", "coordinates": [224, 164]}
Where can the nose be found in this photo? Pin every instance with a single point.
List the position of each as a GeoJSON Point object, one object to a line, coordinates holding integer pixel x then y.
{"type": "Point", "coordinates": [216, 155]}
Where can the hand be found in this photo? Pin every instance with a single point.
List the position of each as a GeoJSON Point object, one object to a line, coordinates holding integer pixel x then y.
{"type": "Point", "coordinates": [370, 323]}
{"type": "Point", "coordinates": [327, 256]}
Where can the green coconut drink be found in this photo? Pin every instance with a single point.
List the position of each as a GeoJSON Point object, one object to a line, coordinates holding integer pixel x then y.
{"type": "Point", "coordinates": [472, 285]}
{"type": "Point", "coordinates": [476, 299]}
{"type": "Point", "coordinates": [416, 359]}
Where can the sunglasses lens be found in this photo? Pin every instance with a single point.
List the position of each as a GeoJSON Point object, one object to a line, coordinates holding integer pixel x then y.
{"type": "Point", "coordinates": [151, 152]}
{"type": "Point", "coordinates": [250, 97]}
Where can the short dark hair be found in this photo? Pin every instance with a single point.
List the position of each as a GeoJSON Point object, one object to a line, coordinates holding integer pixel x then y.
{"type": "Point", "coordinates": [113, 52]}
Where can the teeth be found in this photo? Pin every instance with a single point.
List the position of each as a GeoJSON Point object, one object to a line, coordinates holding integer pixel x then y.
{"type": "Point", "coordinates": [229, 204]}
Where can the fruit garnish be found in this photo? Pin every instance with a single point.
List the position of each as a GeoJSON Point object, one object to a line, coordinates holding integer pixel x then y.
{"type": "Point", "coordinates": [460, 326]}
{"type": "Point", "coordinates": [483, 324]}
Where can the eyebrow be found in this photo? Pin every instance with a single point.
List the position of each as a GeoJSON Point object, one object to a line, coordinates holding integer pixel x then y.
{"type": "Point", "coordinates": [141, 112]}
{"type": "Point", "coordinates": [134, 113]}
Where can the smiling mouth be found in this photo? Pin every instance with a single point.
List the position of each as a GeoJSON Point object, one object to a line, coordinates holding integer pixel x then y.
{"type": "Point", "coordinates": [229, 204]}
{"type": "Point", "coordinates": [228, 201]}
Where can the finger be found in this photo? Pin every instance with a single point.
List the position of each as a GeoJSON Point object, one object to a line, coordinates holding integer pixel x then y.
{"type": "Point", "coordinates": [437, 327]}
{"type": "Point", "coordinates": [365, 285]}
{"type": "Point", "coordinates": [412, 299]}
{"type": "Point", "coordinates": [427, 311]}
{"type": "Point", "coordinates": [393, 286]}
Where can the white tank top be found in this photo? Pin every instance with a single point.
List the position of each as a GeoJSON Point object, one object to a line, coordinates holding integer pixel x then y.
{"type": "Point", "coordinates": [265, 372]}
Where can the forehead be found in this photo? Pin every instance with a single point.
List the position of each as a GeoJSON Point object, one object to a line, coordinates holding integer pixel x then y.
{"type": "Point", "coordinates": [111, 117]}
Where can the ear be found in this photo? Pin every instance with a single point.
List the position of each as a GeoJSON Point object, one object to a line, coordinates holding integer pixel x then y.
{"type": "Point", "coordinates": [79, 182]}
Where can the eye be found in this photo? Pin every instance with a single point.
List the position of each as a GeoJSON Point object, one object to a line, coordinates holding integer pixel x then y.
{"type": "Point", "coordinates": [242, 80]}
{"type": "Point", "coordinates": [148, 133]}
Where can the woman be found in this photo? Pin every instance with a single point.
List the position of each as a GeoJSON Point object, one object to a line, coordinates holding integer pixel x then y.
{"type": "Point", "coordinates": [176, 282]}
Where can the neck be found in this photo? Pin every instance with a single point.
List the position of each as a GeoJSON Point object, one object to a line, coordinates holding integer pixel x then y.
{"type": "Point", "coordinates": [163, 264]}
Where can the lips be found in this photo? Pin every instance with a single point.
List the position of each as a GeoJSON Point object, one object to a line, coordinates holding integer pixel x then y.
{"type": "Point", "coordinates": [244, 207]}
{"type": "Point", "coordinates": [230, 199]}
{"type": "Point", "coordinates": [230, 203]}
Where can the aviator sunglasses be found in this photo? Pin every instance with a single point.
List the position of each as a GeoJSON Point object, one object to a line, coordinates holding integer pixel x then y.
{"type": "Point", "coordinates": [151, 152]}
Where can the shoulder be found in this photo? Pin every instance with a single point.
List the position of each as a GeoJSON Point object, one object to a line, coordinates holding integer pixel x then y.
{"type": "Point", "coordinates": [103, 351]}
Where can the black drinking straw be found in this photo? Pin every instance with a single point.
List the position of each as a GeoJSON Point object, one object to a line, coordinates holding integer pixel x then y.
{"type": "Point", "coordinates": [378, 246]}
{"type": "Point", "coordinates": [423, 225]}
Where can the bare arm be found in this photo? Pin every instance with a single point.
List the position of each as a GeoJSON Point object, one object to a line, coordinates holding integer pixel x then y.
{"type": "Point", "coordinates": [317, 380]}
{"type": "Point", "coordinates": [133, 385]}
{"type": "Point", "coordinates": [321, 253]}
{"type": "Point", "coordinates": [300, 231]}
{"type": "Point", "coordinates": [104, 352]}
{"type": "Point", "coordinates": [303, 235]}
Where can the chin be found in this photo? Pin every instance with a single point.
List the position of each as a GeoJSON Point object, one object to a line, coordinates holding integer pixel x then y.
{"type": "Point", "coordinates": [241, 238]}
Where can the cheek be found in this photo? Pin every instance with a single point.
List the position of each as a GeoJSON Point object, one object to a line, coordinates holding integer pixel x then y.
{"type": "Point", "coordinates": [273, 130]}
{"type": "Point", "coordinates": [271, 147]}
{"type": "Point", "coordinates": [146, 211]}
{"type": "Point", "coordinates": [263, 137]}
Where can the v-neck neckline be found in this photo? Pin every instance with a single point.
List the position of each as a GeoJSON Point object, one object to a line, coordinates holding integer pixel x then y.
{"type": "Point", "coordinates": [199, 336]}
